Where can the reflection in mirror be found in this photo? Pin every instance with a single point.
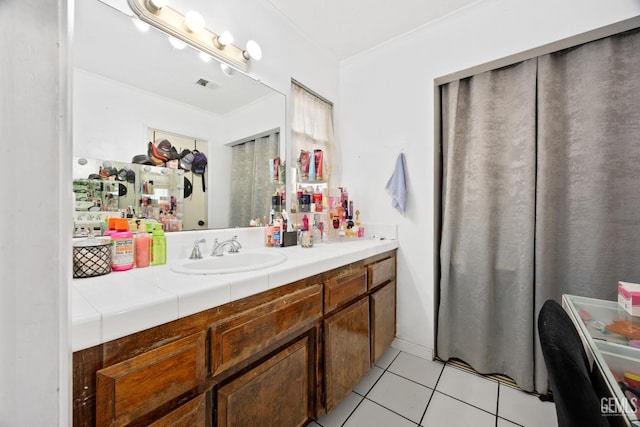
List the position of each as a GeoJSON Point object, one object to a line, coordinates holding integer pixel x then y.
{"type": "Point", "coordinates": [127, 82]}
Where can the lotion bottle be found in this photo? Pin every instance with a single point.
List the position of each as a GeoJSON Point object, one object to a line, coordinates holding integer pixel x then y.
{"type": "Point", "coordinates": [158, 246]}
{"type": "Point", "coordinates": [122, 255]}
{"type": "Point", "coordinates": [143, 246]}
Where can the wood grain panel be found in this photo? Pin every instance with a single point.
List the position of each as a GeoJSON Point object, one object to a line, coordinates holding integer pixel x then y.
{"type": "Point", "coordinates": [341, 290]}
{"type": "Point", "coordinates": [274, 394]}
{"type": "Point", "coordinates": [240, 337]}
{"type": "Point", "coordinates": [381, 272]}
{"type": "Point", "coordinates": [130, 389]}
{"type": "Point", "coordinates": [383, 319]}
{"type": "Point", "coordinates": [191, 414]}
{"type": "Point", "coordinates": [347, 351]}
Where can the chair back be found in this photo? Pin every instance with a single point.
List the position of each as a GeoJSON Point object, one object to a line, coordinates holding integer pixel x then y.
{"type": "Point", "coordinates": [577, 403]}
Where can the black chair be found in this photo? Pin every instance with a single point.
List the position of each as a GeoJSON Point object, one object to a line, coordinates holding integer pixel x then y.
{"type": "Point", "coordinates": [577, 403]}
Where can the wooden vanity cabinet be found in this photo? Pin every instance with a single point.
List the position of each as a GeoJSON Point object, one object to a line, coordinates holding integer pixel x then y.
{"type": "Point", "coordinates": [382, 290]}
{"type": "Point", "coordinates": [131, 389]}
{"type": "Point", "coordinates": [346, 351]}
{"type": "Point", "coordinates": [275, 393]}
{"type": "Point", "coordinates": [278, 358]}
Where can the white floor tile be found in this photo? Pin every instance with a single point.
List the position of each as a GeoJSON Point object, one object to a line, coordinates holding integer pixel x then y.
{"type": "Point", "coordinates": [365, 384]}
{"type": "Point", "coordinates": [504, 423]}
{"type": "Point", "coordinates": [468, 387]}
{"type": "Point", "coordinates": [447, 411]}
{"type": "Point", "coordinates": [370, 414]}
{"type": "Point", "coordinates": [340, 413]}
{"type": "Point", "coordinates": [386, 359]}
{"type": "Point", "coordinates": [525, 409]}
{"type": "Point", "coordinates": [425, 372]}
{"type": "Point", "coordinates": [401, 395]}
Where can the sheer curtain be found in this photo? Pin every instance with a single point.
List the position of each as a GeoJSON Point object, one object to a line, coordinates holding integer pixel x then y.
{"type": "Point", "coordinates": [312, 124]}
{"type": "Point", "coordinates": [540, 197]}
{"type": "Point", "coordinates": [251, 187]}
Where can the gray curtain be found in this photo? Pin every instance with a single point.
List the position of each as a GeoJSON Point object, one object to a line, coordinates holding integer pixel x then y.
{"type": "Point", "coordinates": [251, 187]}
{"type": "Point", "coordinates": [540, 197]}
{"type": "Point", "coordinates": [488, 210]}
{"type": "Point", "coordinates": [588, 202]}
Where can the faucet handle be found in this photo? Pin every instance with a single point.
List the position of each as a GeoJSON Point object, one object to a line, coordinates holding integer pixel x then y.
{"type": "Point", "coordinates": [195, 253]}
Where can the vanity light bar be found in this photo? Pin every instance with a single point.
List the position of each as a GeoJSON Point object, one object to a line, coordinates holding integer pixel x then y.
{"type": "Point", "coordinates": [172, 22]}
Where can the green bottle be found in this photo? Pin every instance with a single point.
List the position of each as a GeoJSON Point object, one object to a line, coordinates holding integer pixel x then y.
{"type": "Point", "coordinates": [158, 246]}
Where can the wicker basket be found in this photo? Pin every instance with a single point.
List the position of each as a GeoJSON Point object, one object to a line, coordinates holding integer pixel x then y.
{"type": "Point", "coordinates": [91, 257]}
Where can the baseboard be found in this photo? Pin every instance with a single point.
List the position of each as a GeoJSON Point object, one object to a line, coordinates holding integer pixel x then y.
{"type": "Point", "coordinates": [412, 348]}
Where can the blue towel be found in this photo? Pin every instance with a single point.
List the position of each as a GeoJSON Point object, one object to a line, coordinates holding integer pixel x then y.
{"type": "Point", "coordinates": [397, 185]}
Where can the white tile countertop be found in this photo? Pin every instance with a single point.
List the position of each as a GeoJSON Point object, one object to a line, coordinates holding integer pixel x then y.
{"type": "Point", "coordinates": [121, 303]}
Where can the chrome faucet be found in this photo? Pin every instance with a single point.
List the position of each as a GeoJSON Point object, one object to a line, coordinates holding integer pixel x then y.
{"type": "Point", "coordinates": [195, 252]}
{"type": "Point", "coordinates": [233, 244]}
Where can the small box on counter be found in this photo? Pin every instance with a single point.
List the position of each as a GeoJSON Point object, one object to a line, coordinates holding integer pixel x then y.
{"type": "Point", "coordinates": [289, 238]}
{"type": "Point", "coordinates": [629, 297]}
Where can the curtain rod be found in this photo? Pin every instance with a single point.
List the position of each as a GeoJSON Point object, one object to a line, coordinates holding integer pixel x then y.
{"type": "Point", "coordinates": [312, 92]}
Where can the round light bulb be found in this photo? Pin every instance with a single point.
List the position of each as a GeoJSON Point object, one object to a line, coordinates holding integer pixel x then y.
{"type": "Point", "coordinates": [177, 43]}
{"type": "Point", "coordinates": [193, 21]}
{"type": "Point", "coordinates": [253, 51]}
{"type": "Point", "coordinates": [225, 38]}
{"type": "Point", "coordinates": [157, 4]}
{"type": "Point", "coordinates": [140, 25]}
{"type": "Point", "coordinates": [205, 57]}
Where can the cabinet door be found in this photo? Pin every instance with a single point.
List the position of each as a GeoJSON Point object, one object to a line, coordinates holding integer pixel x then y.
{"type": "Point", "coordinates": [192, 413]}
{"type": "Point", "coordinates": [383, 319]}
{"type": "Point", "coordinates": [273, 394]}
{"type": "Point", "coordinates": [347, 352]}
{"type": "Point", "coordinates": [135, 387]}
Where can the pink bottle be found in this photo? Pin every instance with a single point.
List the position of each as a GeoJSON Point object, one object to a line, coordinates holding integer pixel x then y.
{"type": "Point", "coordinates": [142, 246]}
{"type": "Point", "coordinates": [122, 246]}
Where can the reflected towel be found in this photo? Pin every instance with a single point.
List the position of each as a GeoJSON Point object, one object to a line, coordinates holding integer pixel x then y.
{"type": "Point", "coordinates": [397, 185]}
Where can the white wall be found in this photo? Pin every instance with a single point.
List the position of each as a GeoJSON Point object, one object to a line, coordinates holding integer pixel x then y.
{"type": "Point", "coordinates": [35, 248]}
{"type": "Point", "coordinates": [386, 105]}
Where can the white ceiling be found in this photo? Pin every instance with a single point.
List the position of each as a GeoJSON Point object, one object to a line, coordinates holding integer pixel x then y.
{"type": "Point", "coordinates": [348, 27]}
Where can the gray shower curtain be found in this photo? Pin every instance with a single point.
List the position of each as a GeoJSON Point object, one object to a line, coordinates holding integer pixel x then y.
{"type": "Point", "coordinates": [251, 186]}
{"type": "Point", "coordinates": [540, 197]}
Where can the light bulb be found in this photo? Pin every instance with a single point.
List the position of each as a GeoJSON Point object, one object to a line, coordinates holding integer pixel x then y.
{"type": "Point", "coordinates": [193, 21]}
{"type": "Point", "coordinates": [140, 25]}
{"type": "Point", "coordinates": [156, 5]}
{"type": "Point", "coordinates": [253, 51]}
{"type": "Point", "coordinates": [225, 38]}
{"type": "Point", "coordinates": [177, 43]}
{"type": "Point", "coordinates": [205, 57]}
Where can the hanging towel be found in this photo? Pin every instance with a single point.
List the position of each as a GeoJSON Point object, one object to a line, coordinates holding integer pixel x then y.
{"type": "Point", "coordinates": [397, 185]}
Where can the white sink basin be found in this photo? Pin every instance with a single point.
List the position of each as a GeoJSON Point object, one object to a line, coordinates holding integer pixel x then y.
{"type": "Point", "coordinates": [229, 263]}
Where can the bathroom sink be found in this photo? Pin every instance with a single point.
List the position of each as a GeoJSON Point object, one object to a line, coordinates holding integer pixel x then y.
{"type": "Point", "coordinates": [229, 263]}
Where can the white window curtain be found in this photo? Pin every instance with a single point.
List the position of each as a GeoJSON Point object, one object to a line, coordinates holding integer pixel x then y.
{"type": "Point", "coordinates": [312, 124]}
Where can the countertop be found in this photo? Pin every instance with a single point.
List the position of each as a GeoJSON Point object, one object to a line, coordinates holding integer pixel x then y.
{"type": "Point", "coordinates": [121, 303]}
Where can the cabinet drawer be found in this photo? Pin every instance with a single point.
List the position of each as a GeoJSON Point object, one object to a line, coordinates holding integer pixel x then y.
{"type": "Point", "coordinates": [381, 272]}
{"type": "Point", "coordinates": [134, 387]}
{"type": "Point", "coordinates": [242, 336]}
{"type": "Point", "coordinates": [341, 290]}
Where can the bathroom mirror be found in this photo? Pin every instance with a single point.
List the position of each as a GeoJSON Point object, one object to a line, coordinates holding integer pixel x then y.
{"type": "Point", "coordinates": [127, 82]}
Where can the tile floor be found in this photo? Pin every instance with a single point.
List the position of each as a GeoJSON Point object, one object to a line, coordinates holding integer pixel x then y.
{"type": "Point", "coordinates": [405, 390]}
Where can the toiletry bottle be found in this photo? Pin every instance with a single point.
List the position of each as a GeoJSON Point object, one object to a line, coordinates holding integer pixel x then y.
{"type": "Point", "coordinates": [143, 246]}
{"type": "Point", "coordinates": [111, 226]}
{"type": "Point", "coordinates": [317, 199]}
{"type": "Point", "coordinates": [122, 250]}
{"type": "Point", "coordinates": [158, 246]}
